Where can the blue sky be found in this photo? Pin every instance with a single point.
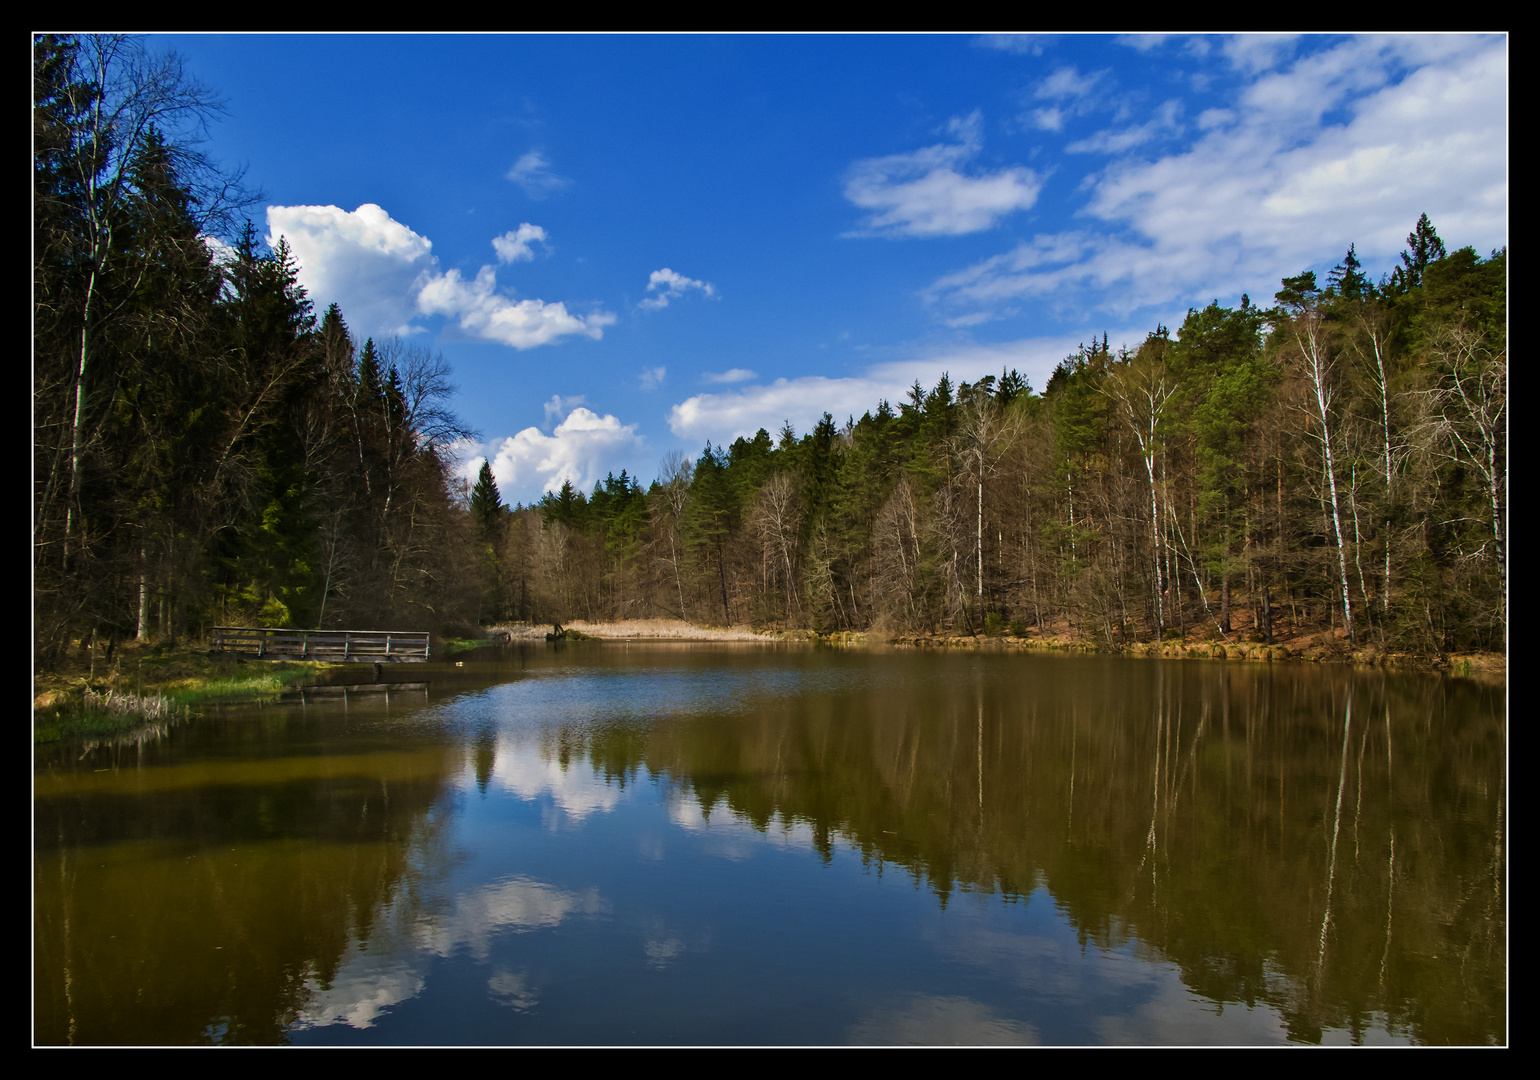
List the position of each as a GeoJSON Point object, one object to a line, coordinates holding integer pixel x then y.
{"type": "Point", "coordinates": [628, 245]}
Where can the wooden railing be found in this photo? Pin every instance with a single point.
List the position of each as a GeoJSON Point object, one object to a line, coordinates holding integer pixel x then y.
{"type": "Point", "coordinates": [361, 646]}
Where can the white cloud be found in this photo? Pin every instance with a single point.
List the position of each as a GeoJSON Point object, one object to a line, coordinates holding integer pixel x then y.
{"type": "Point", "coordinates": [220, 252]}
{"type": "Point", "coordinates": [363, 260]}
{"type": "Point", "coordinates": [558, 407]}
{"type": "Point", "coordinates": [1025, 44]}
{"type": "Point", "coordinates": [652, 378]}
{"type": "Point", "coordinates": [383, 274]}
{"type": "Point", "coordinates": [1166, 122]}
{"type": "Point", "coordinates": [531, 461]}
{"type": "Point", "coordinates": [364, 988]}
{"type": "Point", "coordinates": [723, 416]}
{"type": "Point", "coordinates": [485, 313]}
{"type": "Point", "coordinates": [1255, 53]}
{"type": "Point", "coordinates": [513, 246]}
{"type": "Point", "coordinates": [923, 194]}
{"type": "Point", "coordinates": [532, 172]}
{"type": "Point", "coordinates": [1212, 118]}
{"type": "Point", "coordinates": [1143, 42]}
{"type": "Point", "coordinates": [1050, 119]}
{"type": "Point", "coordinates": [1067, 82]}
{"type": "Point", "coordinates": [671, 286]}
{"type": "Point", "coordinates": [514, 904]}
{"type": "Point", "coordinates": [732, 375]}
{"type": "Point", "coordinates": [1072, 94]}
{"type": "Point", "coordinates": [534, 777]}
{"type": "Point", "coordinates": [1267, 190]}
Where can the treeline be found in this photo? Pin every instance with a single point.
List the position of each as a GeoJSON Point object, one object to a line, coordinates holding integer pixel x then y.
{"type": "Point", "coordinates": [1336, 461]}
{"type": "Point", "coordinates": [206, 451]}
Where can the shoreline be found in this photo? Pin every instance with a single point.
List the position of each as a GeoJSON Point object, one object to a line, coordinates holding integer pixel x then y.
{"type": "Point", "coordinates": [1309, 649]}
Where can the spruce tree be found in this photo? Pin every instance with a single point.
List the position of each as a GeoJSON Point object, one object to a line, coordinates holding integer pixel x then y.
{"type": "Point", "coordinates": [486, 504]}
{"type": "Point", "coordinates": [1422, 247]}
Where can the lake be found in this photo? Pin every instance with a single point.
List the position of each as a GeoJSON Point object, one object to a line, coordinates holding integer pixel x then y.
{"type": "Point", "coordinates": [668, 843]}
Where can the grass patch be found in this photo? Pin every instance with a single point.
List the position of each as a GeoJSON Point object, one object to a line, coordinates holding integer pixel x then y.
{"type": "Point", "coordinates": [150, 685]}
{"type": "Point", "coordinates": [455, 645]}
{"type": "Point", "coordinates": [109, 713]}
{"type": "Point", "coordinates": [247, 684]}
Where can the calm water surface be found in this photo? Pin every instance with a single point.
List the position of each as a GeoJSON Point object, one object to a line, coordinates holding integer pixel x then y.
{"type": "Point", "coordinates": [659, 844]}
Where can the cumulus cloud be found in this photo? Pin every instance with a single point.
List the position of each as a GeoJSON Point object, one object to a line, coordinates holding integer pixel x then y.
{"type": "Point", "coordinates": [363, 260]}
{"type": "Point", "coordinates": [924, 193]}
{"type": "Point", "coordinates": [723, 416]}
{"type": "Point", "coordinates": [652, 378]}
{"type": "Point", "coordinates": [1268, 189]}
{"type": "Point", "coordinates": [383, 275]}
{"type": "Point", "coordinates": [220, 252]}
{"type": "Point", "coordinates": [486, 313]}
{"type": "Point", "coordinates": [533, 174]}
{"type": "Point", "coordinates": [577, 449]}
{"type": "Point", "coordinates": [513, 246]}
{"type": "Point", "coordinates": [671, 286]}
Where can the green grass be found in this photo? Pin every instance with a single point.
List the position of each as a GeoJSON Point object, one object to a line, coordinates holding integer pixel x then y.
{"type": "Point", "coordinates": [103, 714]}
{"type": "Point", "coordinates": [52, 725]}
{"type": "Point", "coordinates": [258, 683]}
{"type": "Point", "coordinates": [460, 645]}
{"type": "Point", "coordinates": [160, 689]}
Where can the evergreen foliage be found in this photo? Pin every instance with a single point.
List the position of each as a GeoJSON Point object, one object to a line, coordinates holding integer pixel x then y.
{"type": "Point", "coordinates": [206, 451]}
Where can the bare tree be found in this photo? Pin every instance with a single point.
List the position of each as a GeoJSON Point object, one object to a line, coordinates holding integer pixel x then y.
{"type": "Point", "coordinates": [777, 522]}
{"type": "Point", "coordinates": [1466, 423]}
{"type": "Point", "coordinates": [1141, 388]}
{"type": "Point", "coordinates": [673, 491]}
{"type": "Point", "coordinates": [986, 433]}
{"type": "Point", "coordinates": [896, 556]}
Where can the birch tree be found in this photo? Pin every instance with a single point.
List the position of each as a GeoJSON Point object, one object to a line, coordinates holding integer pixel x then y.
{"type": "Point", "coordinates": [1301, 320]}
{"type": "Point", "coordinates": [1141, 389]}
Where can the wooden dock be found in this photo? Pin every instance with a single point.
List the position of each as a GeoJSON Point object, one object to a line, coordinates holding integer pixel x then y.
{"type": "Point", "coordinates": [333, 646]}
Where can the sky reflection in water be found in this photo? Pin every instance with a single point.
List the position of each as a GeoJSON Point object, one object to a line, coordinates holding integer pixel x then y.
{"type": "Point", "coordinates": [658, 847]}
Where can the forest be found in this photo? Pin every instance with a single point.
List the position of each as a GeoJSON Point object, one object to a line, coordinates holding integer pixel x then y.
{"type": "Point", "coordinates": [210, 450]}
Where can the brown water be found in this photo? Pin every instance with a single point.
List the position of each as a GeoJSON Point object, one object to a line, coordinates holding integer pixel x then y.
{"type": "Point", "coordinates": [664, 844]}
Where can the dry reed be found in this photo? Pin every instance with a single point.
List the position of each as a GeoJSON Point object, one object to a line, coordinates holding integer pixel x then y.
{"type": "Point", "coordinates": [668, 629]}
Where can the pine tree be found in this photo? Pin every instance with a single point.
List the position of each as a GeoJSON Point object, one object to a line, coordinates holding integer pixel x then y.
{"type": "Point", "coordinates": [1422, 247]}
{"type": "Point", "coordinates": [1347, 279]}
{"type": "Point", "coordinates": [486, 504]}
